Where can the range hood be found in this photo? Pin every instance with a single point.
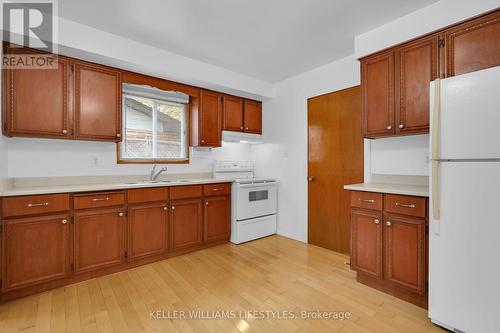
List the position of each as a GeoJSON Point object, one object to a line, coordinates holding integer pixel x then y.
{"type": "Point", "coordinates": [228, 136]}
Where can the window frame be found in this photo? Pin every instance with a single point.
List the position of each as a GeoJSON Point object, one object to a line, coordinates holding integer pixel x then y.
{"type": "Point", "coordinates": [185, 160]}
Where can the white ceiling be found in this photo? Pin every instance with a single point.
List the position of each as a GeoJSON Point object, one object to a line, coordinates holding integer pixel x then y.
{"type": "Point", "coordinates": [267, 39]}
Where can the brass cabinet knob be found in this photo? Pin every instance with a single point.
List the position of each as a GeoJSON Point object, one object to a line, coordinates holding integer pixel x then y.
{"type": "Point", "coordinates": [118, 135]}
{"type": "Point", "coordinates": [310, 179]}
{"type": "Point", "coordinates": [64, 221]}
{"type": "Point", "coordinates": [173, 207]}
{"type": "Point", "coordinates": [388, 223]}
{"type": "Point", "coordinates": [401, 126]}
{"type": "Point", "coordinates": [389, 127]}
{"type": "Point", "coordinates": [64, 131]}
{"type": "Point", "coordinates": [376, 221]}
{"type": "Point", "coordinates": [165, 208]}
{"type": "Point", "coordinates": [121, 214]}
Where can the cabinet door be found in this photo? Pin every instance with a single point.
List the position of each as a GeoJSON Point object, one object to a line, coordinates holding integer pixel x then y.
{"type": "Point", "coordinates": [147, 230]}
{"type": "Point", "coordinates": [416, 66]}
{"type": "Point", "coordinates": [98, 239]}
{"type": "Point", "coordinates": [377, 82]}
{"type": "Point", "coordinates": [34, 250]}
{"type": "Point", "coordinates": [37, 101]}
{"type": "Point", "coordinates": [253, 117]}
{"type": "Point", "coordinates": [473, 45]}
{"type": "Point", "coordinates": [217, 218]}
{"type": "Point", "coordinates": [232, 107]}
{"type": "Point", "coordinates": [366, 242]}
{"type": "Point", "coordinates": [210, 119]}
{"type": "Point", "coordinates": [98, 94]}
{"type": "Point", "coordinates": [185, 223]}
{"type": "Point", "coordinates": [405, 252]}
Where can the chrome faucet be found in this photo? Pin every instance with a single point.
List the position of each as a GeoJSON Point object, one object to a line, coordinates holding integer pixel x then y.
{"type": "Point", "coordinates": [155, 174]}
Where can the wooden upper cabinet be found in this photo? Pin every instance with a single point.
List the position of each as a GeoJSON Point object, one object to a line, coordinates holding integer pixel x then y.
{"type": "Point", "coordinates": [98, 102]}
{"type": "Point", "coordinates": [417, 65]}
{"type": "Point", "coordinates": [210, 119]}
{"type": "Point", "coordinates": [232, 107]}
{"type": "Point", "coordinates": [377, 82]}
{"type": "Point", "coordinates": [366, 243]}
{"type": "Point", "coordinates": [252, 116]}
{"type": "Point", "coordinates": [35, 250]}
{"type": "Point", "coordinates": [37, 101]}
{"type": "Point", "coordinates": [473, 45]}
{"type": "Point", "coordinates": [405, 252]}
{"type": "Point", "coordinates": [217, 218]}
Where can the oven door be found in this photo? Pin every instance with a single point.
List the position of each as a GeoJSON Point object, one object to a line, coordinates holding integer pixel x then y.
{"type": "Point", "coordinates": [256, 199]}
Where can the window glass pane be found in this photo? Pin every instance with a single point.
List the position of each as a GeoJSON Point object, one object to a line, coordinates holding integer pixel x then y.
{"type": "Point", "coordinates": [170, 130]}
{"type": "Point", "coordinates": [138, 140]}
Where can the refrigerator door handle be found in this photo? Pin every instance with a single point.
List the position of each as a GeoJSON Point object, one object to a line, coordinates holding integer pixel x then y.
{"type": "Point", "coordinates": [435, 155]}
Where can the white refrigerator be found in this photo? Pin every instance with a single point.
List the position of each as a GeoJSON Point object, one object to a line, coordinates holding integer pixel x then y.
{"type": "Point", "coordinates": [464, 249]}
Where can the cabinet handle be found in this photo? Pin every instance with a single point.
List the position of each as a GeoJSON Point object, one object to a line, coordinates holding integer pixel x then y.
{"type": "Point", "coordinates": [401, 126]}
{"type": "Point", "coordinates": [217, 189]}
{"type": "Point", "coordinates": [64, 131]}
{"type": "Point", "coordinates": [389, 127]}
{"type": "Point", "coordinates": [206, 203]}
{"type": "Point", "coordinates": [120, 214]}
{"type": "Point", "coordinates": [118, 135]}
{"type": "Point", "coordinates": [100, 199]}
{"type": "Point", "coordinates": [376, 221]}
{"type": "Point", "coordinates": [165, 208]}
{"type": "Point", "coordinates": [367, 200]}
{"type": "Point", "coordinates": [64, 221]}
{"type": "Point", "coordinates": [38, 204]}
{"type": "Point", "coordinates": [388, 223]}
{"type": "Point", "coordinates": [241, 127]}
{"type": "Point", "coordinates": [405, 205]}
{"type": "Point", "coordinates": [173, 207]}
{"type": "Point", "coordinates": [247, 128]}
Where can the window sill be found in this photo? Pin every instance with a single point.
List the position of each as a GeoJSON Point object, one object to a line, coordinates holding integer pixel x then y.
{"type": "Point", "coordinates": [180, 161]}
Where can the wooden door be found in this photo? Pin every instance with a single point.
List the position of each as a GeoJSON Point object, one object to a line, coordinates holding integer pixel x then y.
{"type": "Point", "coordinates": [210, 119]}
{"type": "Point", "coordinates": [186, 223]}
{"type": "Point", "coordinates": [35, 250]}
{"type": "Point", "coordinates": [98, 100]}
{"type": "Point", "coordinates": [367, 250]}
{"type": "Point", "coordinates": [335, 153]}
{"type": "Point", "coordinates": [232, 107]}
{"type": "Point", "coordinates": [377, 81]}
{"type": "Point", "coordinates": [473, 45]}
{"type": "Point", "coordinates": [147, 230]}
{"type": "Point", "coordinates": [217, 218]}
{"type": "Point", "coordinates": [99, 239]}
{"type": "Point", "coordinates": [405, 252]}
{"type": "Point", "coordinates": [37, 101]}
{"type": "Point", "coordinates": [417, 65]}
{"type": "Point", "coordinates": [253, 116]}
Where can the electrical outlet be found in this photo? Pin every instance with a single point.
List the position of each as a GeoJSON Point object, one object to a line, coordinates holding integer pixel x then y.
{"type": "Point", "coordinates": [94, 160]}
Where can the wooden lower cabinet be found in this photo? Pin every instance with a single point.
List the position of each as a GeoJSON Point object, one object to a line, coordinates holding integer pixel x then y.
{"type": "Point", "coordinates": [405, 252]}
{"type": "Point", "coordinates": [217, 218]}
{"type": "Point", "coordinates": [147, 230]}
{"type": "Point", "coordinates": [366, 244]}
{"type": "Point", "coordinates": [186, 223]}
{"type": "Point", "coordinates": [389, 250]}
{"type": "Point", "coordinates": [99, 239]}
{"type": "Point", "coordinates": [35, 250]}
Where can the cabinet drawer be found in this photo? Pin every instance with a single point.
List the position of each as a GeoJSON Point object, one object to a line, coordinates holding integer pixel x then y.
{"type": "Point", "coordinates": [35, 204]}
{"type": "Point", "coordinates": [368, 200]}
{"type": "Point", "coordinates": [406, 205]}
{"type": "Point", "coordinates": [96, 200]}
{"type": "Point", "coordinates": [140, 195]}
{"type": "Point", "coordinates": [183, 192]}
{"type": "Point", "coordinates": [216, 189]}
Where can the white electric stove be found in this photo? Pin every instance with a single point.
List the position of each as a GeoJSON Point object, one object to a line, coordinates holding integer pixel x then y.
{"type": "Point", "coordinates": [253, 201]}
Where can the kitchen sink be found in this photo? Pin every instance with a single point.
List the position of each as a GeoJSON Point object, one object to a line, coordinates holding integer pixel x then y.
{"type": "Point", "coordinates": [149, 182]}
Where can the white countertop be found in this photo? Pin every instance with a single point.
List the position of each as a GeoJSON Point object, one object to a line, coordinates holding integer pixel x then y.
{"type": "Point", "coordinates": [31, 190]}
{"type": "Point", "coordinates": [404, 189]}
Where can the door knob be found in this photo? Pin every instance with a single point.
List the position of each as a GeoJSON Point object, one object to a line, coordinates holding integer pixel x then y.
{"type": "Point", "coordinates": [310, 179]}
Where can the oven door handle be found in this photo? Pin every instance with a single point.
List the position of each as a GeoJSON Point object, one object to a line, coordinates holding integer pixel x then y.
{"type": "Point", "coordinates": [257, 184]}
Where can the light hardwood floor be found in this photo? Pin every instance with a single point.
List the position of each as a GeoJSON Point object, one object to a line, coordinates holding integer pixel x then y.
{"type": "Point", "coordinates": [270, 274]}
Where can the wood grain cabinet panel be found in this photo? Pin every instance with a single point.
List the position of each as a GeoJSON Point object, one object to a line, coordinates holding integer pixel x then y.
{"type": "Point", "coordinates": [147, 230]}
{"type": "Point", "coordinates": [405, 205]}
{"type": "Point", "coordinates": [99, 239]}
{"type": "Point", "coordinates": [417, 64]}
{"type": "Point", "coordinates": [217, 218]}
{"type": "Point", "coordinates": [405, 252]}
{"type": "Point", "coordinates": [210, 119]}
{"type": "Point", "coordinates": [216, 189]}
{"type": "Point", "coordinates": [35, 250]}
{"type": "Point", "coordinates": [98, 94]}
{"type": "Point", "coordinates": [473, 45]}
{"type": "Point", "coordinates": [141, 195]}
{"type": "Point", "coordinates": [35, 204]}
{"type": "Point", "coordinates": [186, 223]}
{"type": "Point", "coordinates": [98, 200]}
{"type": "Point", "coordinates": [367, 200]}
{"type": "Point", "coordinates": [186, 191]}
{"type": "Point", "coordinates": [232, 107]}
{"type": "Point", "coordinates": [37, 101]}
{"type": "Point", "coordinates": [252, 116]}
{"type": "Point", "coordinates": [377, 83]}
{"type": "Point", "coordinates": [366, 242]}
